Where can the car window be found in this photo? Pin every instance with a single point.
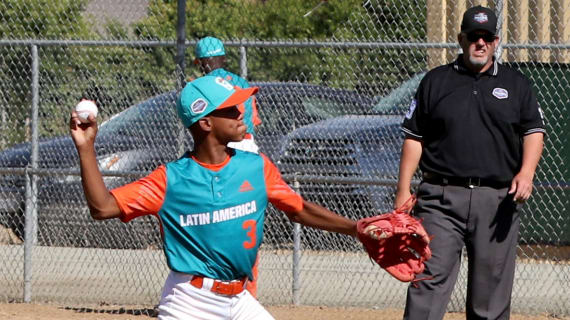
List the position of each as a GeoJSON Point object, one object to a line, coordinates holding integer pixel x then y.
{"type": "Point", "coordinates": [333, 106]}
{"type": "Point", "coordinates": [284, 107]}
{"type": "Point", "coordinates": [143, 136]}
{"type": "Point", "coordinates": [398, 100]}
{"type": "Point", "coordinates": [151, 117]}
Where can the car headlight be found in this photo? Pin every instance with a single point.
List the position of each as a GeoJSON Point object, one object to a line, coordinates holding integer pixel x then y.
{"type": "Point", "coordinates": [112, 162]}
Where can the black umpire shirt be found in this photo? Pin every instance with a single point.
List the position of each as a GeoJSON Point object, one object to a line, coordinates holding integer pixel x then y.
{"type": "Point", "coordinates": [472, 125]}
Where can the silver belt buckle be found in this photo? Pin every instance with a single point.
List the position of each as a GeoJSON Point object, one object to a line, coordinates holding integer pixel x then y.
{"type": "Point", "coordinates": [474, 182]}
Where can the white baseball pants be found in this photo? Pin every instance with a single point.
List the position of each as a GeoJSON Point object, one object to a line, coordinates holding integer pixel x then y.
{"type": "Point", "coordinates": [181, 300]}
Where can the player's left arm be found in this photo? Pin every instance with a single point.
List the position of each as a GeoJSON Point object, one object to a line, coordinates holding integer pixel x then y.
{"type": "Point", "coordinates": [299, 210]}
{"type": "Point", "coordinates": [316, 216]}
{"type": "Point", "coordinates": [521, 185]}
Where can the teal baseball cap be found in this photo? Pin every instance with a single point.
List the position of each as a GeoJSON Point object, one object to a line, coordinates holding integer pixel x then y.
{"type": "Point", "coordinates": [206, 94]}
{"type": "Point", "coordinates": [209, 47]}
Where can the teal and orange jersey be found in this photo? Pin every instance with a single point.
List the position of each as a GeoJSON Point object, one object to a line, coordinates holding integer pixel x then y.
{"type": "Point", "coordinates": [250, 114]}
{"type": "Point", "coordinates": [211, 217]}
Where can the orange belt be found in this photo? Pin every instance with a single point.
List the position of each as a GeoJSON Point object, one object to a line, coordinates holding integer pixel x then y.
{"type": "Point", "coordinates": [228, 288]}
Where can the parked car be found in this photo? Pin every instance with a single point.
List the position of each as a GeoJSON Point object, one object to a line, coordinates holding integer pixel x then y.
{"type": "Point", "coordinates": [131, 144]}
{"type": "Point", "coordinates": [295, 105]}
{"type": "Point", "coordinates": [134, 141]}
{"type": "Point", "coordinates": [286, 106]}
{"type": "Point", "coordinates": [349, 163]}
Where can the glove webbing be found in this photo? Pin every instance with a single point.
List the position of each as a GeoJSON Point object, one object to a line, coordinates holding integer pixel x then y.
{"type": "Point", "coordinates": [407, 208]}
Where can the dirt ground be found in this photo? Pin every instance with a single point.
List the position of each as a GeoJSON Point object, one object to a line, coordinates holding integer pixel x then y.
{"type": "Point", "coordinates": [21, 311]}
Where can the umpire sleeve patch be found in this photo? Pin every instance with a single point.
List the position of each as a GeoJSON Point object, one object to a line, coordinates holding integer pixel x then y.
{"type": "Point", "coordinates": [411, 110]}
{"type": "Point", "coordinates": [541, 115]}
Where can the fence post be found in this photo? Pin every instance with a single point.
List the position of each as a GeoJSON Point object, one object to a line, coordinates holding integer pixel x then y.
{"type": "Point", "coordinates": [181, 42]}
{"type": "Point", "coordinates": [243, 62]}
{"type": "Point", "coordinates": [296, 252]}
{"type": "Point", "coordinates": [31, 217]}
{"type": "Point", "coordinates": [500, 15]}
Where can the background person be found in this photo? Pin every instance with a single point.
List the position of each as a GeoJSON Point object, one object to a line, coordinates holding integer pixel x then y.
{"type": "Point", "coordinates": [211, 59]}
{"type": "Point", "coordinates": [476, 131]}
{"type": "Point", "coordinates": [210, 203]}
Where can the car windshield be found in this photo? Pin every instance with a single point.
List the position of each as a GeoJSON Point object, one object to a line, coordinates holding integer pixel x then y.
{"type": "Point", "coordinates": [398, 100]}
{"type": "Point", "coordinates": [330, 107]}
{"type": "Point", "coordinates": [151, 116]}
{"type": "Point", "coordinates": [289, 105]}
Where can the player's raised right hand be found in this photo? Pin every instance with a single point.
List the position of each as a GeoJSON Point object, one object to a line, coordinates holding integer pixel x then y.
{"type": "Point", "coordinates": [83, 134]}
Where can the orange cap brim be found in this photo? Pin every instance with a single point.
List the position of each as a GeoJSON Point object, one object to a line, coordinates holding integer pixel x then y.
{"type": "Point", "coordinates": [240, 96]}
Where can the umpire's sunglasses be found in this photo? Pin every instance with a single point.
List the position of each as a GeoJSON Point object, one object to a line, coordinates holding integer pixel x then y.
{"type": "Point", "coordinates": [474, 37]}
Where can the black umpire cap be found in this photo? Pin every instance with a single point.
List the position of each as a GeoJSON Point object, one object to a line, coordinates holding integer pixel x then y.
{"type": "Point", "coordinates": [479, 18]}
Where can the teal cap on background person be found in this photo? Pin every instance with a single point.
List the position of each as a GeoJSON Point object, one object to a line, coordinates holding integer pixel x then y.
{"type": "Point", "coordinates": [206, 94]}
{"type": "Point", "coordinates": [209, 47]}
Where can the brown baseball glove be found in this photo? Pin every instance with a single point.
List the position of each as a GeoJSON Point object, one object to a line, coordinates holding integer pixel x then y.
{"type": "Point", "coordinates": [396, 241]}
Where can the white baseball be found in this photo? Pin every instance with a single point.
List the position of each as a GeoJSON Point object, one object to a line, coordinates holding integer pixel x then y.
{"type": "Point", "coordinates": [84, 108]}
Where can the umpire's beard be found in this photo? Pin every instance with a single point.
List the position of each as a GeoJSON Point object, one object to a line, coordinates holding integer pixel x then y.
{"type": "Point", "coordinates": [478, 63]}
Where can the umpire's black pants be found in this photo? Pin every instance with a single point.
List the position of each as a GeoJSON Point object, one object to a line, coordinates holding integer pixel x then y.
{"type": "Point", "coordinates": [486, 221]}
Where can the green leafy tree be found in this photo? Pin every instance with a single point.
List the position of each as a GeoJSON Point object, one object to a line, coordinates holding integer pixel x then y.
{"type": "Point", "coordinates": [253, 20]}
{"type": "Point", "coordinates": [115, 77]}
{"type": "Point", "coordinates": [376, 71]}
{"type": "Point", "coordinates": [370, 70]}
{"type": "Point", "coordinates": [21, 19]}
{"type": "Point", "coordinates": [118, 76]}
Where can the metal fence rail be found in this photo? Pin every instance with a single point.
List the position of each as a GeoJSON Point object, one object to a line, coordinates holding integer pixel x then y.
{"type": "Point", "coordinates": [331, 109]}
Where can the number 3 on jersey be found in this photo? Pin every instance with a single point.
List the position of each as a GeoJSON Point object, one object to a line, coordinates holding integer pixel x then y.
{"type": "Point", "coordinates": [250, 226]}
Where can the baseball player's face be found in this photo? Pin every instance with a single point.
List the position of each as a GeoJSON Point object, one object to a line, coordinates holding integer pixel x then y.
{"type": "Point", "coordinates": [207, 65]}
{"type": "Point", "coordinates": [228, 123]}
{"type": "Point", "coordinates": [478, 47]}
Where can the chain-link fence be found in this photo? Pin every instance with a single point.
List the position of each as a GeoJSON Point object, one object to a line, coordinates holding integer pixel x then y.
{"type": "Point", "coordinates": [335, 79]}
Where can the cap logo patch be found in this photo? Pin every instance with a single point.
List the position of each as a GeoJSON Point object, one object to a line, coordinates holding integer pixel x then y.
{"type": "Point", "coordinates": [211, 52]}
{"type": "Point", "coordinates": [481, 17]}
{"type": "Point", "coordinates": [224, 83]}
{"type": "Point", "coordinates": [412, 108]}
{"type": "Point", "coordinates": [500, 93]}
{"type": "Point", "coordinates": [199, 105]}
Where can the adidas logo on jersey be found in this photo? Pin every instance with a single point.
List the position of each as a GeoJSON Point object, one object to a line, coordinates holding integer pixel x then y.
{"type": "Point", "coordinates": [245, 187]}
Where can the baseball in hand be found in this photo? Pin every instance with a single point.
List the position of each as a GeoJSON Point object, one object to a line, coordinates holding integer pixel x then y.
{"type": "Point", "coordinates": [84, 108]}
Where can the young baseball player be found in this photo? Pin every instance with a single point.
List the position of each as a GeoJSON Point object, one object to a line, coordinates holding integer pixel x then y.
{"type": "Point", "coordinates": [210, 57]}
{"type": "Point", "coordinates": [210, 203]}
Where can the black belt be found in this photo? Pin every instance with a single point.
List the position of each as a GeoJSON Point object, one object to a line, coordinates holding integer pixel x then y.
{"type": "Point", "coordinates": [435, 178]}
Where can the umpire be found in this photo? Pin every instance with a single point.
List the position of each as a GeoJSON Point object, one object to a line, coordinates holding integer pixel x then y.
{"type": "Point", "coordinates": [476, 131]}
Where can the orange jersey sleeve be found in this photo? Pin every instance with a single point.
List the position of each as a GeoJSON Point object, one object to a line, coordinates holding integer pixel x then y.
{"type": "Point", "coordinates": [278, 191]}
{"type": "Point", "coordinates": [142, 197]}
